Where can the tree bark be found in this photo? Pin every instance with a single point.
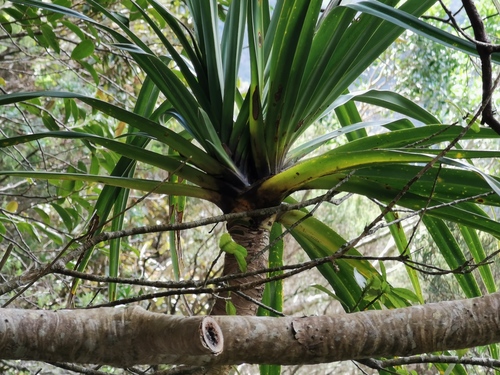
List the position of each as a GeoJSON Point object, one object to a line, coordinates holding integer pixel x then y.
{"type": "Point", "coordinates": [369, 334]}
{"type": "Point", "coordinates": [120, 337]}
{"type": "Point", "coordinates": [132, 336]}
{"type": "Point", "coordinates": [254, 237]}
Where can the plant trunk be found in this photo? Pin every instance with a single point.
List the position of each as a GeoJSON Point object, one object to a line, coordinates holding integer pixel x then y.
{"type": "Point", "coordinates": [133, 336]}
{"type": "Point", "coordinates": [254, 236]}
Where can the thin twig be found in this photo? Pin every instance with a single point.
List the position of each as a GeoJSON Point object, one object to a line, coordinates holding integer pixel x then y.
{"type": "Point", "coordinates": [430, 358]}
{"type": "Point", "coordinates": [6, 255]}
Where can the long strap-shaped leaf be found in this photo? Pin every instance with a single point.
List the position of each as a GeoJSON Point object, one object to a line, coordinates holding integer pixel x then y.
{"type": "Point", "coordinates": [273, 291]}
{"type": "Point", "coordinates": [342, 278]}
{"type": "Point", "coordinates": [319, 240]}
{"type": "Point", "coordinates": [408, 21]}
{"type": "Point", "coordinates": [292, 40]}
{"type": "Point", "coordinates": [297, 176]}
{"type": "Point", "coordinates": [159, 187]}
{"type": "Point", "coordinates": [137, 153]}
{"type": "Point", "coordinates": [205, 22]}
{"type": "Point", "coordinates": [196, 156]}
{"type": "Point", "coordinates": [183, 101]}
{"type": "Point", "coordinates": [256, 32]}
{"type": "Point", "coordinates": [390, 100]}
{"type": "Point", "coordinates": [192, 80]}
{"type": "Point", "coordinates": [189, 47]}
{"type": "Point", "coordinates": [231, 49]}
{"type": "Point", "coordinates": [452, 254]}
{"type": "Point", "coordinates": [145, 106]}
{"type": "Point", "coordinates": [385, 189]}
{"type": "Point", "coordinates": [334, 63]}
{"type": "Point", "coordinates": [422, 136]}
{"type": "Point", "coordinates": [401, 241]}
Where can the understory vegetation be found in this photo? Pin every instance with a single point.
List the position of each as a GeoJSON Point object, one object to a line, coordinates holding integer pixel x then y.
{"type": "Point", "coordinates": [247, 158]}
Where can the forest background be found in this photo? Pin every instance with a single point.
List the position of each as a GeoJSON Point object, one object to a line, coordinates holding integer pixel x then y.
{"type": "Point", "coordinates": [417, 259]}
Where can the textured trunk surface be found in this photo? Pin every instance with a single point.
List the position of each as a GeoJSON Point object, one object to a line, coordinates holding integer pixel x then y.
{"type": "Point", "coordinates": [120, 337]}
{"type": "Point", "coordinates": [253, 237]}
{"type": "Point", "coordinates": [131, 336]}
{"type": "Point", "coordinates": [370, 334]}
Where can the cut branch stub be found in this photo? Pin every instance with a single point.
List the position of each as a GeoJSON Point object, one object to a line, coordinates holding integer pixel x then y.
{"type": "Point", "coordinates": [211, 335]}
{"type": "Point", "coordinates": [121, 337]}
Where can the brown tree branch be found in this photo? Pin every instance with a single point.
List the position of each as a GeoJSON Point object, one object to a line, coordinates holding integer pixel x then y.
{"type": "Point", "coordinates": [484, 49]}
{"type": "Point", "coordinates": [133, 336]}
{"type": "Point", "coordinates": [125, 336]}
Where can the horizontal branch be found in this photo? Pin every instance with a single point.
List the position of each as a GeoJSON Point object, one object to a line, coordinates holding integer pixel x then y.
{"type": "Point", "coordinates": [116, 336]}
{"type": "Point", "coordinates": [132, 336]}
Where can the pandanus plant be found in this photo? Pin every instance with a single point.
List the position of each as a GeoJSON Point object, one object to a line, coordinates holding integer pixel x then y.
{"type": "Point", "coordinates": [241, 149]}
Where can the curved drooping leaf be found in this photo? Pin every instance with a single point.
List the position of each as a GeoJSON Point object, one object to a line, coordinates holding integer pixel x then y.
{"type": "Point", "coordinates": [451, 199]}
{"type": "Point", "coordinates": [159, 187]}
{"type": "Point", "coordinates": [306, 148]}
{"type": "Point", "coordinates": [390, 100]}
{"type": "Point", "coordinates": [139, 154]}
{"type": "Point", "coordinates": [341, 279]}
{"type": "Point", "coordinates": [410, 22]}
{"type": "Point", "coordinates": [452, 253]}
{"type": "Point", "coordinates": [427, 136]}
{"type": "Point", "coordinates": [295, 177]}
{"type": "Point", "coordinates": [197, 156]}
{"type": "Point", "coordinates": [386, 148]}
{"type": "Point", "coordinates": [319, 241]}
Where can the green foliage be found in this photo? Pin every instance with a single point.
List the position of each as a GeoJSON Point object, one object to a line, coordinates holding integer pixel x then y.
{"type": "Point", "coordinates": [230, 309]}
{"type": "Point", "coordinates": [227, 245]}
{"type": "Point", "coordinates": [273, 292]}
